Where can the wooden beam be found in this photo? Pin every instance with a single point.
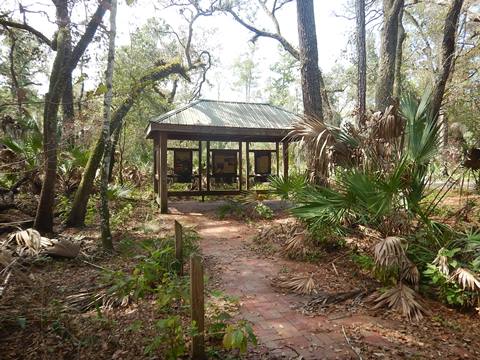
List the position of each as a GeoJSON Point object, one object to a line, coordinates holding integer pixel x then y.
{"type": "Point", "coordinates": [240, 166]}
{"type": "Point", "coordinates": [155, 166]}
{"type": "Point", "coordinates": [211, 131]}
{"type": "Point", "coordinates": [247, 148]}
{"type": "Point", "coordinates": [277, 154]}
{"type": "Point", "coordinates": [200, 165]}
{"type": "Point", "coordinates": [213, 192]}
{"type": "Point", "coordinates": [181, 148]}
{"type": "Point", "coordinates": [285, 159]}
{"type": "Point", "coordinates": [163, 191]}
{"type": "Point", "coordinates": [208, 165]}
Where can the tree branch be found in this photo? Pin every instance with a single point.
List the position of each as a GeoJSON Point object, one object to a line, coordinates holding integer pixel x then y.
{"type": "Point", "coordinates": [87, 37]}
{"type": "Point", "coordinates": [28, 28]}
{"type": "Point", "coordinates": [262, 33]}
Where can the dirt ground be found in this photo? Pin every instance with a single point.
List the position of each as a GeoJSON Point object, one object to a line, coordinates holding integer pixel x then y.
{"type": "Point", "coordinates": [35, 325]}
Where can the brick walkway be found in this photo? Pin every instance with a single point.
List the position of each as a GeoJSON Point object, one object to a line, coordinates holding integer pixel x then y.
{"type": "Point", "coordinates": [284, 331]}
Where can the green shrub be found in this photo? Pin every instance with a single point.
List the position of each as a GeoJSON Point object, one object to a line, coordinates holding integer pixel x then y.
{"type": "Point", "coordinates": [170, 338]}
{"type": "Point", "coordinates": [263, 211]}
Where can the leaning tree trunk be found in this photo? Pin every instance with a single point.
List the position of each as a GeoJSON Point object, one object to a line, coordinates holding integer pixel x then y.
{"type": "Point", "coordinates": [63, 66]}
{"type": "Point", "coordinates": [448, 53]}
{"type": "Point", "coordinates": [310, 75]}
{"type": "Point", "coordinates": [388, 50]}
{"type": "Point", "coordinates": [361, 63]}
{"type": "Point", "coordinates": [107, 115]}
{"type": "Point", "coordinates": [76, 217]}
{"type": "Point", "coordinates": [44, 215]}
{"type": "Point", "coordinates": [401, 36]}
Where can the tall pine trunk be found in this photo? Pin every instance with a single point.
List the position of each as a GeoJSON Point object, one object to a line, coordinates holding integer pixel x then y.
{"type": "Point", "coordinates": [107, 115]}
{"type": "Point", "coordinates": [310, 74]}
{"type": "Point", "coordinates": [401, 36]}
{"type": "Point", "coordinates": [361, 62]}
{"type": "Point", "coordinates": [388, 50]}
{"type": "Point", "coordinates": [448, 53]}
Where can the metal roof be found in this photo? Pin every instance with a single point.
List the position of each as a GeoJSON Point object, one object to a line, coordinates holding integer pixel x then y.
{"type": "Point", "coordinates": [229, 114]}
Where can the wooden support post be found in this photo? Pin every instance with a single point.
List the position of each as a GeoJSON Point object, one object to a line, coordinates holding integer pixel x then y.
{"type": "Point", "coordinates": [155, 166]}
{"type": "Point", "coordinates": [179, 246]}
{"type": "Point", "coordinates": [163, 191]}
{"type": "Point", "coordinates": [240, 166]}
{"type": "Point", "coordinates": [200, 165]}
{"type": "Point", "coordinates": [208, 165]}
{"type": "Point", "coordinates": [277, 154]}
{"type": "Point", "coordinates": [197, 306]}
{"type": "Point", "coordinates": [247, 152]}
{"type": "Point", "coordinates": [285, 159]}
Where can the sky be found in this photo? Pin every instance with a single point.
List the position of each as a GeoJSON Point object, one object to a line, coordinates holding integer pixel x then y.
{"type": "Point", "coordinates": [230, 38]}
{"type": "Point", "coordinates": [234, 40]}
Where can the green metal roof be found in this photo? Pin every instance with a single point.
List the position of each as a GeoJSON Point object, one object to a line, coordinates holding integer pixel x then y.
{"type": "Point", "coordinates": [229, 114]}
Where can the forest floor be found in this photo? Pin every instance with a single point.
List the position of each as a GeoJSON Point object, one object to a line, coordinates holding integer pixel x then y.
{"type": "Point", "coordinates": [35, 323]}
{"type": "Point", "coordinates": [343, 331]}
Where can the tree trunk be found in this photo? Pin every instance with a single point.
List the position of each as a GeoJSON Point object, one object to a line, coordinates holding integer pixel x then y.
{"type": "Point", "coordinates": [76, 217]}
{"type": "Point", "coordinates": [361, 63]}
{"type": "Point", "coordinates": [448, 53]}
{"type": "Point", "coordinates": [116, 137]}
{"type": "Point", "coordinates": [63, 66]}
{"type": "Point", "coordinates": [310, 74]}
{"type": "Point", "coordinates": [388, 50]}
{"type": "Point", "coordinates": [68, 113]}
{"type": "Point", "coordinates": [44, 215]}
{"type": "Point", "coordinates": [401, 36]}
{"type": "Point", "coordinates": [107, 115]}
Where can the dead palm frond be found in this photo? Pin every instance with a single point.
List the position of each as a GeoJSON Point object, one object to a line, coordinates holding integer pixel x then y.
{"type": "Point", "coordinates": [96, 297]}
{"type": "Point", "coordinates": [299, 284]}
{"type": "Point", "coordinates": [295, 245]}
{"type": "Point", "coordinates": [387, 125]}
{"type": "Point", "coordinates": [466, 279]}
{"type": "Point", "coordinates": [400, 298]}
{"type": "Point", "coordinates": [441, 262]}
{"type": "Point", "coordinates": [389, 252]}
{"type": "Point", "coordinates": [30, 242]}
{"type": "Point", "coordinates": [317, 138]}
{"type": "Point", "coordinates": [410, 272]}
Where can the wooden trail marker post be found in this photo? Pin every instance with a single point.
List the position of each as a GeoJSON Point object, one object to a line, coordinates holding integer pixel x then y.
{"type": "Point", "coordinates": [179, 246]}
{"type": "Point", "coordinates": [197, 306]}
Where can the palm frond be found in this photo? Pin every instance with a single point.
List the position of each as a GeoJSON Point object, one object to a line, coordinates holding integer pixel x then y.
{"type": "Point", "coordinates": [441, 262]}
{"type": "Point", "coordinates": [316, 137]}
{"type": "Point", "coordinates": [467, 279]}
{"type": "Point", "coordinates": [295, 246]}
{"type": "Point", "coordinates": [290, 187]}
{"type": "Point", "coordinates": [389, 252]}
{"type": "Point", "coordinates": [403, 299]}
{"type": "Point", "coordinates": [410, 272]}
{"type": "Point", "coordinates": [299, 284]}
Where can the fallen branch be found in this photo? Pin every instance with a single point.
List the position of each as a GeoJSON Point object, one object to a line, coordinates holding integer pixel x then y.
{"type": "Point", "coordinates": [355, 350]}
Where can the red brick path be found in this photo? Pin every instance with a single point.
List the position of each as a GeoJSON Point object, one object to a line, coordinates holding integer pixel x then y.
{"type": "Point", "coordinates": [277, 324]}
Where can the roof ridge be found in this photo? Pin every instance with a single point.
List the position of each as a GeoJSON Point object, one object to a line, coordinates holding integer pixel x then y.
{"type": "Point", "coordinates": [236, 102]}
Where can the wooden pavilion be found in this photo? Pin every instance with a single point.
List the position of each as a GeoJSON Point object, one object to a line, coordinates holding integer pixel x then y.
{"type": "Point", "coordinates": [205, 122]}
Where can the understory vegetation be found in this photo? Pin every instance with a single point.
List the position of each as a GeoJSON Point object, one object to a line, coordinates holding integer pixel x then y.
{"type": "Point", "coordinates": [384, 181]}
{"type": "Point", "coordinates": [144, 275]}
